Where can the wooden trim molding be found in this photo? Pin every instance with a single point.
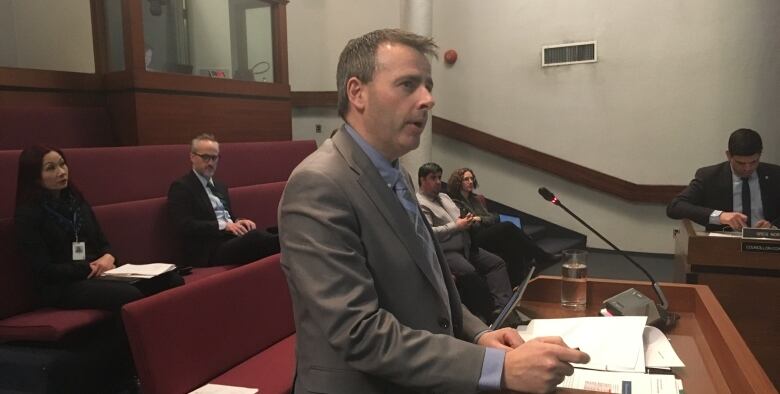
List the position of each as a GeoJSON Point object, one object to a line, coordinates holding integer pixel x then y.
{"type": "Point", "coordinates": [657, 194]}
{"type": "Point", "coordinates": [314, 99]}
{"type": "Point", "coordinates": [572, 172]}
{"type": "Point", "coordinates": [30, 79]}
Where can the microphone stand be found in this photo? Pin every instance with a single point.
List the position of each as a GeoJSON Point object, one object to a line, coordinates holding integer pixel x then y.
{"type": "Point", "coordinates": [667, 318]}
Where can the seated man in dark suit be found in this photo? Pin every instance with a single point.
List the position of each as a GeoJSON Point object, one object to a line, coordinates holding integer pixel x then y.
{"type": "Point", "coordinates": [452, 232]}
{"type": "Point", "coordinates": [199, 208]}
{"type": "Point", "coordinates": [741, 192]}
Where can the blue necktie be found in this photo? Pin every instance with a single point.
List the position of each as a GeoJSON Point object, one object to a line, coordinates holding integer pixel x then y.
{"type": "Point", "coordinates": [412, 209]}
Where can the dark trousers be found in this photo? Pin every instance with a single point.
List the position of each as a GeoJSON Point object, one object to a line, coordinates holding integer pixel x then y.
{"type": "Point", "coordinates": [252, 246]}
{"type": "Point", "coordinates": [513, 245]}
{"type": "Point", "coordinates": [109, 294]}
{"type": "Point", "coordinates": [475, 295]}
{"type": "Point", "coordinates": [487, 265]}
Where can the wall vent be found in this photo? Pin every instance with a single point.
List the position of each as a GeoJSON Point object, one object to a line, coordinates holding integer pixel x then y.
{"type": "Point", "coordinates": [573, 53]}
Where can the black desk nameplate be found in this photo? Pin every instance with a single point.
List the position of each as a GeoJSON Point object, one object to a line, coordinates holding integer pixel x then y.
{"type": "Point", "coordinates": [765, 233]}
{"type": "Point", "coordinates": [760, 247]}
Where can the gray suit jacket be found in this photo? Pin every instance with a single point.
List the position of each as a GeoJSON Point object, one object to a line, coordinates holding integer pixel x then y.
{"type": "Point", "coordinates": [442, 219]}
{"type": "Point", "coordinates": [368, 316]}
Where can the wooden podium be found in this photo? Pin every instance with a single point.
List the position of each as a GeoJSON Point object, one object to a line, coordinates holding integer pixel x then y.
{"type": "Point", "coordinates": [747, 285]}
{"type": "Point", "coordinates": [716, 358]}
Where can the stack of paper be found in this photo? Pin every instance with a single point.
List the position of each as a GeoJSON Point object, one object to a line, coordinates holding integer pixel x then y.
{"type": "Point", "coordinates": [618, 344]}
{"type": "Point", "coordinates": [622, 382]}
{"type": "Point", "coordinates": [141, 271]}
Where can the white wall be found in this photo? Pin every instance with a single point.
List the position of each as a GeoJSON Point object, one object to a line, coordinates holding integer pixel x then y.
{"type": "Point", "coordinates": [672, 81]}
{"type": "Point", "coordinates": [670, 74]}
{"type": "Point", "coordinates": [209, 29]}
{"type": "Point", "coordinates": [317, 31]}
{"type": "Point", "coordinates": [7, 34]}
{"type": "Point", "coordinates": [51, 35]}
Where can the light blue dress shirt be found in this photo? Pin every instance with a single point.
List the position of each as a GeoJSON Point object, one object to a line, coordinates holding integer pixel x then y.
{"type": "Point", "coordinates": [756, 206]}
{"type": "Point", "coordinates": [223, 216]}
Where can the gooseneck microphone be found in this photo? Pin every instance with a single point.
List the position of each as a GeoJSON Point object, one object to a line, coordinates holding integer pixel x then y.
{"type": "Point", "coordinates": [630, 302]}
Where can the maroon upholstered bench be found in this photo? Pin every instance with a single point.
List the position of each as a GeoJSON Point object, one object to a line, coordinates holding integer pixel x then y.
{"type": "Point", "coordinates": [235, 328]}
{"type": "Point", "coordinates": [20, 320]}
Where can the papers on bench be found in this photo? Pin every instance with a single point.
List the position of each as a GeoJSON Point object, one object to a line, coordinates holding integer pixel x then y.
{"type": "Point", "coordinates": [222, 389]}
{"type": "Point", "coordinates": [140, 271]}
{"type": "Point", "coordinates": [619, 343]}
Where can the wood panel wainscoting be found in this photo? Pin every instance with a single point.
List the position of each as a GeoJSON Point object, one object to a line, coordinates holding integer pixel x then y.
{"type": "Point", "coordinates": [656, 194]}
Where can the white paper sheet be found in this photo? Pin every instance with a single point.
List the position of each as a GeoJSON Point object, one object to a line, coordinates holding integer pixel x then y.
{"type": "Point", "coordinates": [658, 350]}
{"type": "Point", "coordinates": [620, 382]}
{"type": "Point", "coordinates": [613, 343]}
{"type": "Point", "coordinates": [222, 389]}
{"type": "Point", "coordinates": [140, 270]}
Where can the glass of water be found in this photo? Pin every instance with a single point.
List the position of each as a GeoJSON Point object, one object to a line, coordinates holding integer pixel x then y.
{"type": "Point", "coordinates": [574, 277]}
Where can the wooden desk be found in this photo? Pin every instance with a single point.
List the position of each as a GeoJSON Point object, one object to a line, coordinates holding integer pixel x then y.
{"type": "Point", "coordinates": [747, 285]}
{"type": "Point", "coordinates": [717, 359]}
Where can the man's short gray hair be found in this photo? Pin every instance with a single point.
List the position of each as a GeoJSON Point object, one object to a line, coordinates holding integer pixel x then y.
{"type": "Point", "coordinates": [202, 137]}
{"type": "Point", "coordinates": [358, 59]}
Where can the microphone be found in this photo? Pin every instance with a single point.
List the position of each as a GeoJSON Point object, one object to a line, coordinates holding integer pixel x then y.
{"type": "Point", "coordinates": [630, 302]}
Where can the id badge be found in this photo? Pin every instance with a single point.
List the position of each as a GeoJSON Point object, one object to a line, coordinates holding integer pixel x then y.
{"type": "Point", "coordinates": [79, 251]}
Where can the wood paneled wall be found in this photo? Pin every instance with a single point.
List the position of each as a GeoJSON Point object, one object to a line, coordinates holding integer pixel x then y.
{"type": "Point", "coordinates": [163, 108]}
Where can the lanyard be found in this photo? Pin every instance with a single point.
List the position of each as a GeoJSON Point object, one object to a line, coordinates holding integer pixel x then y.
{"type": "Point", "coordinates": [74, 224]}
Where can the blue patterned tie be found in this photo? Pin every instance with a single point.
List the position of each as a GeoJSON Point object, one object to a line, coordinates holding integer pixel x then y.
{"type": "Point", "coordinates": [412, 209]}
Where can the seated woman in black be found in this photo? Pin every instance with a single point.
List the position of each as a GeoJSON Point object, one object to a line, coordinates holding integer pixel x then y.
{"type": "Point", "coordinates": [502, 238]}
{"type": "Point", "coordinates": [58, 235]}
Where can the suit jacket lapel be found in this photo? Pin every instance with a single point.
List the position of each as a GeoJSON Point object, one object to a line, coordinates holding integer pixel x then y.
{"type": "Point", "coordinates": [764, 182]}
{"type": "Point", "coordinates": [203, 198]}
{"type": "Point", "coordinates": [727, 182]}
{"type": "Point", "coordinates": [385, 200]}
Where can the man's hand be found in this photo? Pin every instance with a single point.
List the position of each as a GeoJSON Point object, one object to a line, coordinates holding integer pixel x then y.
{"type": "Point", "coordinates": [763, 224]}
{"type": "Point", "coordinates": [236, 228]}
{"type": "Point", "coordinates": [735, 220]}
{"type": "Point", "coordinates": [101, 265]}
{"type": "Point", "coordinates": [248, 224]}
{"type": "Point", "coordinates": [539, 365]}
{"type": "Point", "coordinates": [505, 338]}
{"type": "Point", "coordinates": [464, 223]}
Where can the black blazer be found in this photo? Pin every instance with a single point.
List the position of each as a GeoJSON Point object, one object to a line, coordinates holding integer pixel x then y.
{"type": "Point", "coordinates": [45, 244]}
{"type": "Point", "coordinates": [711, 189]}
{"type": "Point", "coordinates": [192, 215]}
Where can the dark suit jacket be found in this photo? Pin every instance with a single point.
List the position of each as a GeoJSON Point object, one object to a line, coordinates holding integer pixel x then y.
{"type": "Point", "coordinates": [711, 190]}
{"type": "Point", "coordinates": [368, 315]}
{"type": "Point", "coordinates": [191, 213]}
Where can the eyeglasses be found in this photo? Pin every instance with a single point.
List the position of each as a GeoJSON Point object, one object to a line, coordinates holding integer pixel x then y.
{"type": "Point", "coordinates": [206, 157]}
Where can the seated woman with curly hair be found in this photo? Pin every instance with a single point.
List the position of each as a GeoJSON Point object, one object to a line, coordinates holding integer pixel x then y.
{"type": "Point", "coordinates": [59, 237]}
{"type": "Point", "coordinates": [502, 238]}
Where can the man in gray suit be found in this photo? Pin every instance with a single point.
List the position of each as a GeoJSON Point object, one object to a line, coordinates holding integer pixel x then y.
{"type": "Point", "coordinates": [376, 311]}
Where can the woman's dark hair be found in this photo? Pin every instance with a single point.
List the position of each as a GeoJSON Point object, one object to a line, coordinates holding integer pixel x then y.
{"type": "Point", "coordinates": [28, 178]}
{"type": "Point", "coordinates": [455, 184]}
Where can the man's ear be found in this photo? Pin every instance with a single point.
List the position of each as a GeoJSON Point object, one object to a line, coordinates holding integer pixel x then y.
{"type": "Point", "coordinates": [356, 93]}
{"type": "Point", "coordinates": [728, 155]}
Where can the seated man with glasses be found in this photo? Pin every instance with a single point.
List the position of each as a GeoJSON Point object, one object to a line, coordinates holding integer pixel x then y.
{"type": "Point", "coordinates": [199, 208]}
